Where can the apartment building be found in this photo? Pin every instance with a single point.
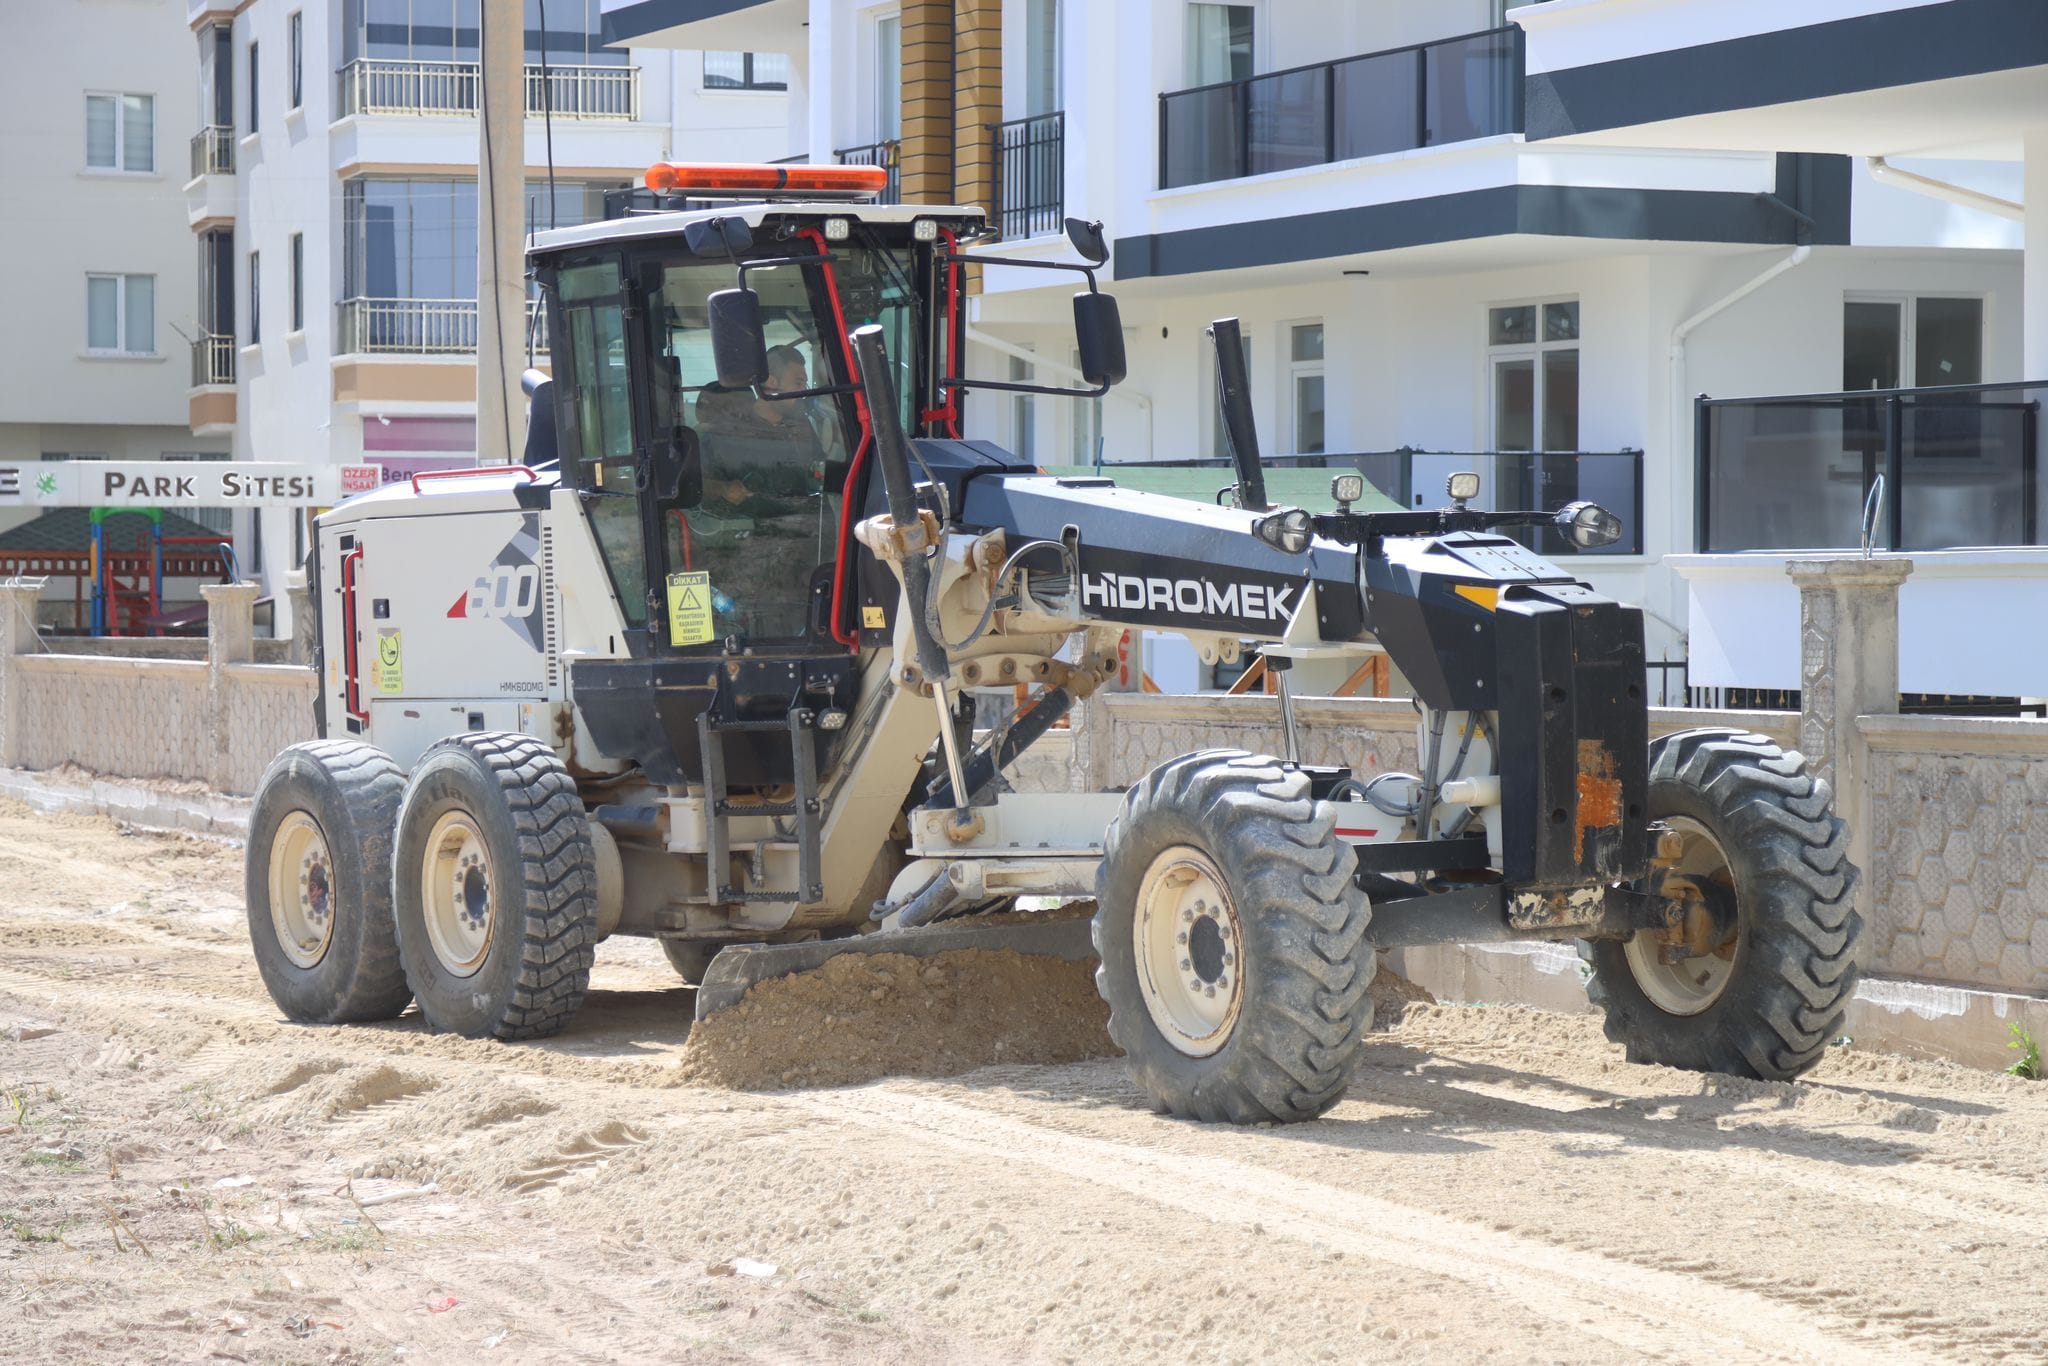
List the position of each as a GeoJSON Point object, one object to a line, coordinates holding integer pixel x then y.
{"type": "Point", "coordinates": [1470, 233]}
{"type": "Point", "coordinates": [101, 277]}
{"type": "Point", "coordinates": [332, 203]}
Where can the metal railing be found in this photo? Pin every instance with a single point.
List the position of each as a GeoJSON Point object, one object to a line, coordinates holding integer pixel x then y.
{"type": "Point", "coordinates": [1545, 480]}
{"type": "Point", "coordinates": [876, 154]}
{"type": "Point", "coordinates": [420, 326]}
{"type": "Point", "coordinates": [213, 151]}
{"type": "Point", "coordinates": [1961, 466]}
{"type": "Point", "coordinates": [1029, 156]}
{"type": "Point", "coordinates": [213, 359]}
{"type": "Point", "coordinates": [378, 86]}
{"type": "Point", "coordinates": [1450, 90]}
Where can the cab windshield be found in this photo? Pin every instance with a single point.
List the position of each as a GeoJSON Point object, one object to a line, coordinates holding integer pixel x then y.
{"type": "Point", "coordinates": [756, 531]}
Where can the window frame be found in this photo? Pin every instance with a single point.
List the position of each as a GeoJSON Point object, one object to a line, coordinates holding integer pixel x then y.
{"type": "Point", "coordinates": [295, 40]}
{"type": "Point", "coordinates": [120, 100]}
{"type": "Point", "coordinates": [1297, 370]}
{"type": "Point", "coordinates": [1909, 326]}
{"type": "Point", "coordinates": [1260, 42]}
{"type": "Point", "coordinates": [876, 97]}
{"type": "Point", "coordinates": [255, 298]}
{"type": "Point", "coordinates": [298, 274]}
{"type": "Point", "coordinates": [255, 91]}
{"type": "Point", "coordinates": [748, 83]}
{"type": "Point", "coordinates": [1532, 351]}
{"type": "Point", "coordinates": [122, 346]}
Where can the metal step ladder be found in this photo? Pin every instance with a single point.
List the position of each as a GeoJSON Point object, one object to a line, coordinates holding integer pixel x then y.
{"type": "Point", "coordinates": [799, 724]}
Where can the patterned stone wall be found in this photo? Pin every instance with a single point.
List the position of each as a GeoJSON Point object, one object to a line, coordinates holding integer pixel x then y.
{"type": "Point", "coordinates": [1957, 889]}
{"type": "Point", "coordinates": [130, 717]}
{"type": "Point", "coordinates": [269, 706]}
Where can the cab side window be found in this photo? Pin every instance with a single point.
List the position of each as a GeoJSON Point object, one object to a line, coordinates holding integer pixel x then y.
{"type": "Point", "coordinates": [604, 447]}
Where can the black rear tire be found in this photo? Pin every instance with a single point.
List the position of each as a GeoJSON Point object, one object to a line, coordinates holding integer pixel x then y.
{"type": "Point", "coordinates": [494, 886]}
{"type": "Point", "coordinates": [1287, 943]}
{"type": "Point", "coordinates": [1777, 1000]}
{"type": "Point", "coordinates": [317, 879]}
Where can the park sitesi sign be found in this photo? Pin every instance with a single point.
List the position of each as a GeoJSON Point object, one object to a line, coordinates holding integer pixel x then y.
{"type": "Point", "coordinates": [178, 483]}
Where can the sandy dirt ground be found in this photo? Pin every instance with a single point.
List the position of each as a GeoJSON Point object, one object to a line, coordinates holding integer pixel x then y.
{"type": "Point", "coordinates": [184, 1176]}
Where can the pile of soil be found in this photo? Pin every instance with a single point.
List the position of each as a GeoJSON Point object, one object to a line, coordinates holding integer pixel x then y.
{"type": "Point", "coordinates": [863, 1016]}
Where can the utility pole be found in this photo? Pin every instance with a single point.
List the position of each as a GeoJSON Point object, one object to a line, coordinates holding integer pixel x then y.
{"type": "Point", "coordinates": [500, 253]}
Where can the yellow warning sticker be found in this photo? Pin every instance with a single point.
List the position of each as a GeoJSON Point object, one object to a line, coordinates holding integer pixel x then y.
{"type": "Point", "coordinates": [872, 618]}
{"type": "Point", "coordinates": [390, 661]}
{"type": "Point", "coordinates": [689, 609]}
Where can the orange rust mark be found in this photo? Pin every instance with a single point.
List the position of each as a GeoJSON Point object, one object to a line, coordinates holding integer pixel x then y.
{"type": "Point", "coordinates": [1599, 794]}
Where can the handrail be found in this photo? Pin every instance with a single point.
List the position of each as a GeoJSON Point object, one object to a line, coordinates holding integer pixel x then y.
{"type": "Point", "coordinates": [435, 86]}
{"type": "Point", "coordinates": [1224, 118]}
{"type": "Point", "coordinates": [527, 470]}
{"type": "Point", "coordinates": [1909, 392]}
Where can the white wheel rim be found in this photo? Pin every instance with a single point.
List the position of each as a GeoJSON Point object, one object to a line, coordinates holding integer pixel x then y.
{"type": "Point", "coordinates": [1686, 986]}
{"type": "Point", "coordinates": [301, 882]}
{"type": "Point", "coordinates": [1190, 951]}
{"type": "Point", "coordinates": [456, 894]}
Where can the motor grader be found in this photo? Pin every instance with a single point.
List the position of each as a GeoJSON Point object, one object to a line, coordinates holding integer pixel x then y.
{"type": "Point", "coordinates": [705, 667]}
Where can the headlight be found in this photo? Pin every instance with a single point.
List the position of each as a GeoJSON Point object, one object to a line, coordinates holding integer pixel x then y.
{"type": "Point", "coordinates": [1589, 526]}
{"type": "Point", "coordinates": [1462, 486]}
{"type": "Point", "coordinates": [1286, 531]}
{"type": "Point", "coordinates": [837, 229]}
{"type": "Point", "coordinates": [925, 230]}
{"type": "Point", "coordinates": [1347, 488]}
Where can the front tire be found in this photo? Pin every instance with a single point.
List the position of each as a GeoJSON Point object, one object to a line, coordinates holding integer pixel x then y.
{"type": "Point", "coordinates": [1757, 836]}
{"type": "Point", "coordinates": [494, 886]}
{"type": "Point", "coordinates": [317, 882]}
{"type": "Point", "coordinates": [1232, 939]}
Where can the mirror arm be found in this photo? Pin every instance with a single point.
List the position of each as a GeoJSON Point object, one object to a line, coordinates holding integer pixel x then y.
{"type": "Point", "coordinates": [971, 259]}
{"type": "Point", "coordinates": [769, 262]}
{"type": "Point", "coordinates": [1011, 386]}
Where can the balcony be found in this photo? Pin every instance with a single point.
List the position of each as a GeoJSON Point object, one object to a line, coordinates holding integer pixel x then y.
{"type": "Point", "coordinates": [1961, 467]}
{"type": "Point", "coordinates": [876, 154]}
{"type": "Point", "coordinates": [420, 327]}
{"type": "Point", "coordinates": [455, 90]}
{"type": "Point", "coordinates": [1451, 90]}
{"type": "Point", "coordinates": [1030, 160]}
{"type": "Point", "coordinates": [213, 152]}
{"type": "Point", "coordinates": [213, 360]}
{"type": "Point", "coordinates": [1545, 480]}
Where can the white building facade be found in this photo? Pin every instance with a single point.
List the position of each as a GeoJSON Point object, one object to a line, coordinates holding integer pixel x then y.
{"type": "Point", "coordinates": [101, 280]}
{"type": "Point", "coordinates": [333, 202]}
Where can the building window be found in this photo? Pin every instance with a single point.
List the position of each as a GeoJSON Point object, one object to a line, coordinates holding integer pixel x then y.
{"type": "Point", "coordinates": [450, 31]}
{"type": "Point", "coordinates": [409, 239]}
{"type": "Point", "coordinates": [1219, 43]}
{"type": "Point", "coordinates": [255, 105]}
{"type": "Point", "coordinates": [1935, 340]}
{"type": "Point", "coordinates": [295, 34]}
{"type": "Point", "coordinates": [1086, 415]}
{"type": "Point", "coordinates": [1305, 387]}
{"type": "Point", "coordinates": [1023, 410]}
{"type": "Point", "coordinates": [298, 282]}
{"type": "Point", "coordinates": [255, 297]}
{"type": "Point", "coordinates": [1533, 369]}
{"type": "Point", "coordinates": [1041, 57]}
{"type": "Point", "coordinates": [888, 78]}
{"type": "Point", "coordinates": [217, 76]}
{"type": "Point", "coordinates": [746, 71]}
{"type": "Point", "coordinates": [120, 132]}
{"type": "Point", "coordinates": [120, 314]}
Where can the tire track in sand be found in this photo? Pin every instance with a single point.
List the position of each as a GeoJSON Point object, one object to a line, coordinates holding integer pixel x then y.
{"type": "Point", "coordinates": [1664, 1313]}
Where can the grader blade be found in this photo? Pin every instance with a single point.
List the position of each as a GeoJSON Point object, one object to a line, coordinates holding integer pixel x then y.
{"type": "Point", "coordinates": [736, 969]}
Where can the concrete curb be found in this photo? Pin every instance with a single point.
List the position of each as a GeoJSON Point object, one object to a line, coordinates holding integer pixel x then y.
{"type": "Point", "coordinates": [199, 813]}
{"type": "Point", "coordinates": [1967, 1025]}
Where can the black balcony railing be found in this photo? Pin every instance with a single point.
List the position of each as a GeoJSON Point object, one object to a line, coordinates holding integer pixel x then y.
{"type": "Point", "coordinates": [1960, 466]}
{"type": "Point", "coordinates": [1451, 90]}
{"type": "Point", "coordinates": [876, 154]}
{"type": "Point", "coordinates": [1545, 480]}
{"type": "Point", "coordinates": [1030, 160]}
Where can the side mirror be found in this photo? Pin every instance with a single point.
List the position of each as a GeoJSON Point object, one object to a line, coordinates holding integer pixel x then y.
{"type": "Point", "coordinates": [1087, 239]}
{"type": "Point", "coordinates": [1099, 334]}
{"type": "Point", "coordinates": [1588, 526]}
{"type": "Point", "coordinates": [739, 349]}
{"type": "Point", "coordinates": [718, 237]}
